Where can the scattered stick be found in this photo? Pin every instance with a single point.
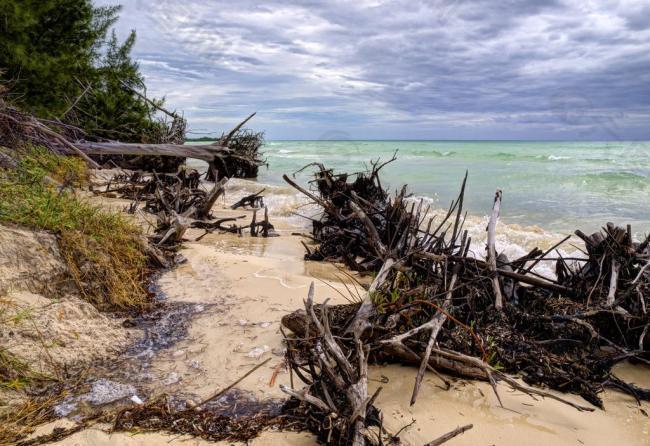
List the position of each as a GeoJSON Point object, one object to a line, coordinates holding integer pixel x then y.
{"type": "Point", "coordinates": [449, 435]}
{"type": "Point", "coordinates": [226, 389]}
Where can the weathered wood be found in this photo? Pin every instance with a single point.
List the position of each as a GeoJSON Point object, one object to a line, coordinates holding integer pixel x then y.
{"type": "Point", "coordinates": [147, 100]}
{"type": "Point", "coordinates": [434, 325]}
{"type": "Point", "coordinates": [207, 152]}
{"type": "Point", "coordinates": [202, 152]}
{"type": "Point", "coordinates": [449, 435]}
{"type": "Point", "coordinates": [345, 376]}
{"type": "Point", "coordinates": [641, 272]}
{"type": "Point", "coordinates": [224, 140]}
{"type": "Point", "coordinates": [374, 240]}
{"type": "Point", "coordinates": [534, 281]}
{"type": "Point", "coordinates": [265, 228]}
{"type": "Point", "coordinates": [303, 395]}
{"type": "Point", "coordinates": [414, 302]}
{"type": "Point", "coordinates": [212, 197]}
{"type": "Point", "coordinates": [250, 200]}
{"type": "Point", "coordinates": [367, 309]}
{"type": "Point", "coordinates": [492, 255]}
{"type": "Point", "coordinates": [494, 374]}
{"type": "Point", "coordinates": [324, 204]}
{"type": "Point", "coordinates": [613, 282]}
{"type": "Point", "coordinates": [254, 224]}
{"type": "Point", "coordinates": [179, 225]}
{"type": "Point", "coordinates": [73, 147]}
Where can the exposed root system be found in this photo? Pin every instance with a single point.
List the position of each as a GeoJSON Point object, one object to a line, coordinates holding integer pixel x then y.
{"type": "Point", "coordinates": [433, 305]}
{"type": "Point", "coordinates": [180, 202]}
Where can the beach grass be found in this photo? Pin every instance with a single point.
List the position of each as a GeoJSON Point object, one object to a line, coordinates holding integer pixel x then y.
{"type": "Point", "coordinates": [104, 251]}
{"type": "Point", "coordinates": [19, 416]}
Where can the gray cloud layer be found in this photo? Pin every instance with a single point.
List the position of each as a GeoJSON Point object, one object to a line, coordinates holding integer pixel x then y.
{"type": "Point", "coordinates": [402, 69]}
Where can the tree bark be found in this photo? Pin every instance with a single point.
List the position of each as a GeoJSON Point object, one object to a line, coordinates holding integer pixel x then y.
{"type": "Point", "coordinates": [202, 152]}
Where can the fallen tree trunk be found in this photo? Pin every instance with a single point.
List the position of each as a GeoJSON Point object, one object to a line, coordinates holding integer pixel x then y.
{"type": "Point", "coordinates": [235, 154]}
{"type": "Point", "coordinates": [206, 153]}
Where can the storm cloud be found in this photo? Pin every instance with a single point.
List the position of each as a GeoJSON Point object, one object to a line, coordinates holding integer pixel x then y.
{"type": "Point", "coordinates": [474, 69]}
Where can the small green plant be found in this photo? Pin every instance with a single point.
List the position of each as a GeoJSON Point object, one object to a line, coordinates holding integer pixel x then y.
{"type": "Point", "coordinates": [20, 315]}
{"type": "Point", "coordinates": [15, 374]}
{"type": "Point", "coordinates": [394, 295]}
{"type": "Point", "coordinates": [492, 358]}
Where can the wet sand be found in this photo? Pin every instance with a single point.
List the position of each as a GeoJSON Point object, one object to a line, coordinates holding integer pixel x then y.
{"type": "Point", "coordinates": [247, 284]}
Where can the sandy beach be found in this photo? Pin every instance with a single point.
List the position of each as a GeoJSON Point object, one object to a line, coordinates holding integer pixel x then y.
{"type": "Point", "coordinates": [347, 223]}
{"type": "Point", "coordinates": [243, 286]}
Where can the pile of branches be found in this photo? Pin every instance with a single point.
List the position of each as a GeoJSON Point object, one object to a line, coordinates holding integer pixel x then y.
{"type": "Point", "coordinates": [340, 237]}
{"type": "Point", "coordinates": [433, 305]}
{"type": "Point", "coordinates": [19, 130]}
{"type": "Point", "coordinates": [245, 159]}
{"type": "Point", "coordinates": [179, 202]}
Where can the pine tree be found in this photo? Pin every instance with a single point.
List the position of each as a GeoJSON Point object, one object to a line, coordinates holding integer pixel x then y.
{"type": "Point", "coordinates": [47, 46]}
{"type": "Point", "coordinates": [61, 62]}
{"type": "Point", "coordinates": [110, 109]}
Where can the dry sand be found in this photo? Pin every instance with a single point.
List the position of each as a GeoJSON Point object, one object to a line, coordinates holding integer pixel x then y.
{"type": "Point", "coordinates": [248, 284]}
{"type": "Point", "coordinates": [43, 320]}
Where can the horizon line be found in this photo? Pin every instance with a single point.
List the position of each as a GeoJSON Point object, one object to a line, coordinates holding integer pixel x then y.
{"type": "Point", "coordinates": [439, 140]}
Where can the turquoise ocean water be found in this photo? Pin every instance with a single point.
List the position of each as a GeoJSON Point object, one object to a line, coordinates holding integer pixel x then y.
{"type": "Point", "coordinates": [554, 185]}
{"type": "Point", "coordinates": [558, 186]}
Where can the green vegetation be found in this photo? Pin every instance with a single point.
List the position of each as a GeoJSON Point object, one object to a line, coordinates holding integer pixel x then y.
{"type": "Point", "coordinates": [17, 416]}
{"type": "Point", "coordinates": [15, 374]}
{"type": "Point", "coordinates": [46, 44]}
{"type": "Point", "coordinates": [104, 251]}
{"type": "Point", "coordinates": [61, 61]}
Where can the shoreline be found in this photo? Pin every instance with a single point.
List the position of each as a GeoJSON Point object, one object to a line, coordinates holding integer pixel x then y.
{"type": "Point", "coordinates": [559, 186]}
{"type": "Point", "coordinates": [248, 284]}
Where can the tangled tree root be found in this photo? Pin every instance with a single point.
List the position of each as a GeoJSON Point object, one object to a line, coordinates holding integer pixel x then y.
{"type": "Point", "coordinates": [434, 305]}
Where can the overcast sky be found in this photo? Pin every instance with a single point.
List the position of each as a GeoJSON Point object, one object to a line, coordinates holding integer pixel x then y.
{"type": "Point", "coordinates": [374, 69]}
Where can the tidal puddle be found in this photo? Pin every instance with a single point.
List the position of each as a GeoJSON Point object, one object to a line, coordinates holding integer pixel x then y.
{"type": "Point", "coordinates": [130, 378]}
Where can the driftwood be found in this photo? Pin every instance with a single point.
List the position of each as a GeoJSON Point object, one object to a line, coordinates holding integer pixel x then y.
{"type": "Point", "coordinates": [449, 435]}
{"type": "Point", "coordinates": [18, 129]}
{"type": "Point", "coordinates": [245, 146]}
{"type": "Point", "coordinates": [211, 198]}
{"type": "Point", "coordinates": [179, 202]}
{"type": "Point", "coordinates": [236, 154]}
{"type": "Point", "coordinates": [433, 305]}
{"type": "Point", "coordinates": [336, 404]}
{"type": "Point", "coordinates": [206, 153]}
{"type": "Point", "coordinates": [255, 200]}
{"type": "Point", "coordinates": [491, 250]}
